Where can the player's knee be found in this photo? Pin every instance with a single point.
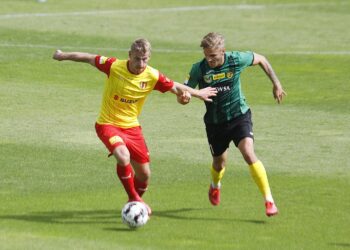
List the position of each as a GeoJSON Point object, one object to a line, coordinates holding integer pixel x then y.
{"type": "Point", "coordinates": [218, 165]}
{"type": "Point", "coordinates": [250, 158]}
{"type": "Point", "coordinates": [144, 175]}
{"type": "Point", "coordinates": [122, 155]}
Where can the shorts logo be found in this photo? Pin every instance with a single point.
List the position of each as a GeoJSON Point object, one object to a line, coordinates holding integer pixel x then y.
{"type": "Point", "coordinates": [115, 139]}
{"type": "Point", "coordinates": [143, 85]}
{"type": "Point", "coordinates": [103, 60]}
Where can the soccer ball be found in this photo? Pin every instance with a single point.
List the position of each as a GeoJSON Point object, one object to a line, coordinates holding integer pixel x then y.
{"type": "Point", "coordinates": [134, 214]}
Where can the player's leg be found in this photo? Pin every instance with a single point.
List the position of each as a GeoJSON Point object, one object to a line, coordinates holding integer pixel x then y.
{"type": "Point", "coordinates": [258, 172]}
{"type": "Point", "coordinates": [139, 156]}
{"type": "Point", "coordinates": [142, 176]}
{"type": "Point", "coordinates": [217, 172]}
{"type": "Point", "coordinates": [125, 172]}
{"type": "Point", "coordinates": [112, 137]}
{"type": "Point", "coordinates": [218, 144]}
{"type": "Point", "coordinates": [218, 169]}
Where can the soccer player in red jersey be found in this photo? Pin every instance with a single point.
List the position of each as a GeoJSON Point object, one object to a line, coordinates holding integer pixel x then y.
{"type": "Point", "coordinates": [127, 85]}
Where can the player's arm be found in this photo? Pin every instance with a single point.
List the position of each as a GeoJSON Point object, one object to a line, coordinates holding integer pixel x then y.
{"type": "Point", "coordinates": [74, 56]}
{"type": "Point", "coordinates": [184, 92]}
{"type": "Point", "coordinates": [277, 90]}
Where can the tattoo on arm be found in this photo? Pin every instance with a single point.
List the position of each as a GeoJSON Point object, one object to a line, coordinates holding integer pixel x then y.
{"type": "Point", "coordinates": [266, 66]}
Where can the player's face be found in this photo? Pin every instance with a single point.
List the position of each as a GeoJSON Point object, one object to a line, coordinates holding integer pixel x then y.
{"type": "Point", "coordinates": [138, 61]}
{"type": "Point", "coordinates": [215, 57]}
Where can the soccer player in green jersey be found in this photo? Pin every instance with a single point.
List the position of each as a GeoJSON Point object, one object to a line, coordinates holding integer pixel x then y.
{"type": "Point", "coordinates": [228, 117]}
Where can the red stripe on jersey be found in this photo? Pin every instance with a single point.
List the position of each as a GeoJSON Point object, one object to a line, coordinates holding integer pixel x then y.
{"type": "Point", "coordinates": [104, 64]}
{"type": "Point", "coordinates": [163, 84]}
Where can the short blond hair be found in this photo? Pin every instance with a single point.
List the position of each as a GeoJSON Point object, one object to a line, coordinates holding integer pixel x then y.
{"type": "Point", "coordinates": [141, 45]}
{"type": "Point", "coordinates": [213, 40]}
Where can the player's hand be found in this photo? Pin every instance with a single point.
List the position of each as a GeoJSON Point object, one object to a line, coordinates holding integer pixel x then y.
{"type": "Point", "coordinates": [58, 55]}
{"type": "Point", "coordinates": [184, 98]}
{"type": "Point", "coordinates": [206, 93]}
{"type": "Point", "coordinates": [278, 93]}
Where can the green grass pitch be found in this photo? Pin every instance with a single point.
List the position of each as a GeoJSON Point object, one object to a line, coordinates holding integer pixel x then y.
{"type": "Point", "coordinates": [58, 190]}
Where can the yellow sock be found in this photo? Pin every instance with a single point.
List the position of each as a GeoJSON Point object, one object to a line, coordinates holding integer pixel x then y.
{"type": "Point", "coordinates": [257, 171]}
{"type": "Point", "coordinates": [216, 176]}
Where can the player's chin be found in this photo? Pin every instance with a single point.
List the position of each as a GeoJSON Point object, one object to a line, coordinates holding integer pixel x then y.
{"type": "Point", "coordinates": [139, 70]}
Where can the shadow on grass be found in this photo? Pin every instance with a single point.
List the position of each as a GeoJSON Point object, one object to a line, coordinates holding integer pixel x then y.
{"type": "Point", "coordinates": [113, 217]}
{"type": "Point", "coordinates": [180, 214]}
{"type": "Point", "coordinates": [337, 244]}
{"type": "Point", "coordinates": [67, 217]}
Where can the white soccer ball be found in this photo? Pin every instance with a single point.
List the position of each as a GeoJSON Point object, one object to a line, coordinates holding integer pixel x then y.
{"type": "Point", "coordinates": [135, 214]}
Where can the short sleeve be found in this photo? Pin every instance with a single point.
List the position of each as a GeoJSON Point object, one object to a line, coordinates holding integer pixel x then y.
{"type": "Point", "coordinates": [193, 77]}
{"type": "Point", "coordinates": [245, 59]}
{"type": "Point", "coordinates": [104, 63]}
{"type": "Point", "coordinates": [163, 84]}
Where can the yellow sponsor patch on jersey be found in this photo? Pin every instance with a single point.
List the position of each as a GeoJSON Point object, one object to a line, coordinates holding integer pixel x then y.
{"type": "Point", "coordinates": [115, 139]}
{"type": "Point", "coordinates": [219, 76]}
{"type": "Point", "coordinates": [103, 59]}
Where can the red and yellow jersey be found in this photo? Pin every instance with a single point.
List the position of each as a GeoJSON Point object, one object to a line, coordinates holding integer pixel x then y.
{"type": "Point", "coordinates": [125, 93]}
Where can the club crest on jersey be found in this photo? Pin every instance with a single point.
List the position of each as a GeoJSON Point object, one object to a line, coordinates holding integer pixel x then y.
{"type": "Point", "coordinates": [207, 78]}
{"type": "Point", "coordinates": [143, 85]}
{"type": "Point", "coordinates": [229, 74]}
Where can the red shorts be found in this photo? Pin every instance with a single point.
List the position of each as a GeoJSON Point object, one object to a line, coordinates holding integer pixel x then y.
{"type": "Point", "coordinates": [132, 138]}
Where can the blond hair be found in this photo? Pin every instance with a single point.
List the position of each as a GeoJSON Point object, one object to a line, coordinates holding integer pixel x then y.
{"type": "Point", "coordinates": [213, 40]}
{"type": "Point", "coordinates": [141, 45]}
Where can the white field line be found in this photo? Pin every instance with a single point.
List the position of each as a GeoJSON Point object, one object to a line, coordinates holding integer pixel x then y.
{"type": "Point", "coordinates": [162, 50]}
{"type": "Point", "coordinates": [131, 11]}
{"type": "Point", "coordinates": [171, 9]}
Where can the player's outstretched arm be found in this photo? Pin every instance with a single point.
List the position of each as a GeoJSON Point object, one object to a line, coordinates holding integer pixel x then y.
{"type": "Point", "coordinates": [277, 90]}
{"type": "Point", "coordinates": [184, 98]}
{"type": "Point", "coordinates": [74, 56]}
{"type": "Point", "coordinates": [184, 93]}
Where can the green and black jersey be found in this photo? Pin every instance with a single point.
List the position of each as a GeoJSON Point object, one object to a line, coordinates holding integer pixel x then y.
{"type": "Point", "coordinates": [230, 101]}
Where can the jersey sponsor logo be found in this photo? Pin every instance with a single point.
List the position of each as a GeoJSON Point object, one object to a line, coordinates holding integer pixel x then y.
{"type": "Point", "coordinates": [128, 100]}
{"type": "Point", "coordinates": [143, 85]}
{"type": "Point", "coordinates": [209, 78]}
{"type": "Point", "coordinates": [115, 139]}
{"type": "Point", "coordinates": [219, 76]}
{"type": "Point", "coordinates": [121, 99]}
{"type": "Point", "coordinates": [223, 89]}
{"type": "Point", "coordinates": [103, 60]}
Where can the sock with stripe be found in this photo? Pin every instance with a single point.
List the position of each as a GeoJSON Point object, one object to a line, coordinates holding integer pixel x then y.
{"type": "Point", "coordinates": [126, 177]}
{"type": "Point", "coordinates": [140, 186]}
